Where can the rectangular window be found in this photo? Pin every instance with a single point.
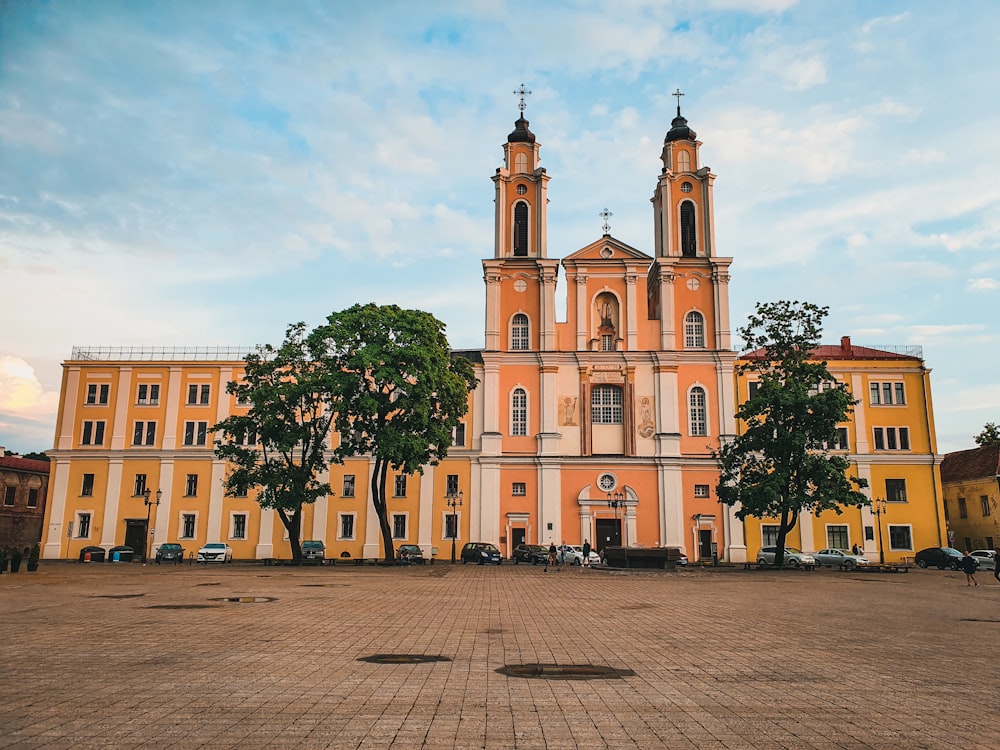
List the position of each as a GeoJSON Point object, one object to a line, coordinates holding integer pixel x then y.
{"type": "Point", "coordinates": [989, 543]}
{"type": "Point", "coordinates": [963, 511]}
{"type": "Point", "coordinates": [836, 537]}
{"type": "Point", "coordinates": [399, 526]}
{"type": "Point", "coordinates": [139, 486]}
{"type": "Point", "coordinates": [460, 435]}
{"type": "Point", "coordinates": [895, 490]}
{"type": "Point", "coordinates": [451, 485]}
{"type": "Point", "coordinates": [606, 404]}
{"type": "Point", "coordinates": [752, 387]}
{"type": "Point", "coordinates": [701, 490]}
{"type": "Point", "coordinates": [239, 526]}
{"type": "Point", "coordinates": [83, 526]}
{"type": "Point", "coordinates": [968, 543]}
{"type": "Point", "coordinates": [947, 512]}
{"type": "Point", "coordinates": [199, 395]}
{"type": "Point", "coordinates": [9, 494]}
{"type": "Point", "coordinates": [451, 526]}
{"type": "Point", "coordinates": [87, 488]}
{"type": "Point", "coordinates": [348, 485]}
{"type": "Point", "coordinates": [187, 525]}
{"type": "Point", "coordinates": [247, 438]}
{"type": "Point", "coordinates": [768, 535]}
{"type": "Point", "coordinates": [519, 489]}
{"type": "Point", "coordinates": [191, 485]}
{"type": "Point", "coordinates": [32, 498]}
{"type": "Point", "coordinates": [887, 394]}
{"type": "Point", "coordinates": [984, 503]}
{"type": "Point", "coordinates": [900, 537]}
{"type": "Point", "coordinates": [93, 432]}
{"type": "Point", "coordinates": [144, 433]}
{"type": "Point", "coordinates": [839, 443]}
{"type": "Point", "coordinates": [698, 412]}
{"type": "Point", "coordinates": [400, 486]}
{"type": "Point", "coordinates": [195, 433]}
{"type": "Point", "coordinates": [891, 438]}
{"type": "Point", "coordinates": [98, 393]}
{"type": "Point", "coordinates": [519, 413]}
{"type": "Point", "coordinates": [607, 342]}
{"type": "Point", "coordinates": [346, 526]}
{"type": "Point", "coordinates": [149, 393]}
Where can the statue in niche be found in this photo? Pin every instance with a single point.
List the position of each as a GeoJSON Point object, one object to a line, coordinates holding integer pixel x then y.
{"type": "Point", "coordinates": [567, 411]}
{"type": "Point", "coordinates": [646, 425]}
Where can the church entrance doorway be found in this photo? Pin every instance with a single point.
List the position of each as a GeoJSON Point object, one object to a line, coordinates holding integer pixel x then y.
{"type": "Point", "coordinates": [516, 537]}
{"type": "Point", "coordinates": [607, 532]}
{"type": "Point", "coordinates": [135, 536]}
{"type": "Point", "coordinates": [704, 544]}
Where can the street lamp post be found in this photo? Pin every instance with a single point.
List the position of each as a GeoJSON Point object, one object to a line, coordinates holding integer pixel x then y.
{"type": "Point", "coordinates": [878, 510]}
{"type": "Point", "coordinates": [616, 500]}
{"type": "Point", "coordinates": [149, 504]}
{"type": "Point", "coordinates": [454, 501]}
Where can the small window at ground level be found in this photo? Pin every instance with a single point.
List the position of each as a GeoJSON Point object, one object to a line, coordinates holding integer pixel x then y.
{"type": "Point", "coordinates": [900, 537]}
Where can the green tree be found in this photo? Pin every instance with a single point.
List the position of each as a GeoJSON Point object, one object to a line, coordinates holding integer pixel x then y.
{"type": "Point", "coordinates": [989, 436]}
{"type": "Point", "coordinates": [401, 393]}
{"type": "Point", "coordinates": [779, 465]}
{"type": "Point", "coordinates": [280, 445]}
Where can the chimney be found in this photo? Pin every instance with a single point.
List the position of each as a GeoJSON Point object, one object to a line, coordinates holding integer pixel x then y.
{"type": "Point", "coordinates": [845, 344]}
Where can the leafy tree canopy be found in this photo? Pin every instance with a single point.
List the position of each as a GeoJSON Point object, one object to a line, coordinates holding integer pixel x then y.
{"type": "Point", "coordinates": [779, 465]}
{"type": "Point", "coordinates": [989, 436]}
{"type": "Point", "coordinates": [400, 392]}
{"type": "Point", "coordinates": [279, 445]}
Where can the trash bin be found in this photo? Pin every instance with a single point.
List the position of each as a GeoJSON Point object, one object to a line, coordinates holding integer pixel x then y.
{"type": "Point", "coordinates": [120, 554]}
{"type": "Point", "coordinates": [92, 554]}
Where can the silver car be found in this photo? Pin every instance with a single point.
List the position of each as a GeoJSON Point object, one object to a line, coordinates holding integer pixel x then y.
{"type": "Point", "coordinates": [839, 558]}
{"type": "Point", "coordinates": [794, 558]}
{"type": "Point", "coordinates": [987, 558]}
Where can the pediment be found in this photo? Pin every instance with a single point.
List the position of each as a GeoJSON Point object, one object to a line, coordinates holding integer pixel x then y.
{"type": "Point", "coordinates": [607, 248]}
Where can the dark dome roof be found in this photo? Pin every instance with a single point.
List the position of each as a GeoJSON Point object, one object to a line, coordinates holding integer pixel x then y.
{"type": "Point", "coordinates": [679, 130]}
{"type": "Point", "coordinates": [521, 134]}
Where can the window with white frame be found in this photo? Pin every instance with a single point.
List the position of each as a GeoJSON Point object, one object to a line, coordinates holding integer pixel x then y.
{"type": "Point", "coordinates": [399, 526]}
{"type": "Point", "coordinates": [199, 395]}
{"type": "Point", "coordinates": [697, 411]}
{"type": "Point", "coordinates": [891, 438]}
{"type": "Point", "coordinates": [346, 526]}
{"type": "Point", "coordinates": [519, 332]}
{"type": "Point", "coordinates": [191, 485]}
{"type": "Point", "coordinates": [607, 342]}
{"type": "Point", "coordinates": [839, 443]}
{"type": "Point", "coordinates": [895, 490]}
{"type": "Point", "coordinates": [188, 525]}
{"type": "Point", "coordinates": [836, 536]}
{"type": "Point", "coordinates": [93, 432]}
{"type": "Point", "coordinates": [451, 526]}
{"type": "Point", "coordinates": [139, 486]}
{"type": "Point", "coordinates": [97, 393]}
{"type": "Point", "coordinates": [518, 489]}
{"type": "Point", "coordinates": [239, 526]}
{"type": "Point", "coordinates": [900, 537]}
{"type": "Point", "coordinates": [148, 394]}
{"type": "Point", "coordinates": [768, 535]}
{"type": "Point", "coordinates": [83, 525]}
{"type": "Point", "coordinates": [886, 393]}
{"type": "Point", "coordinates": [400, 486]}
{"type": "Point", "coordinates": [519, 412]}
{"type": "Point", "coordinates": [606, 404]}
{"type": "Point", "coordinates": [144, 433]}
{"type": "Point", "coordinates": [694, 330]}
{"type": "Point", "coordinates": [701, 490]}
{"type": "Point", "coordinates": [87, 487]}
{"type": "Point", "coordinates": [451, 485]}
{"type": "Point", "coordinates": [195, 433]}
{"type": "Point", "coordinates": [246, 437]}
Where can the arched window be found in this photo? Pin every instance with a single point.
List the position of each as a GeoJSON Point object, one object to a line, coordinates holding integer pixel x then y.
{"type": "Point", "coordinates": [689, 237]}
{"type": "Point", "coordinates": [519, 332]}
{"type": "Point", "coordinates": [683, 161]}
{"type": "Point", "coordinates": [606, 404]}
{"type": "Point", "coordinates": [697, 411]}
{"type": "Point", "coordinates": [694, 330]}
{"type": "Point", "coordinates": [520, 228]}
{"type": "Point", "coordinates": [519, 412]}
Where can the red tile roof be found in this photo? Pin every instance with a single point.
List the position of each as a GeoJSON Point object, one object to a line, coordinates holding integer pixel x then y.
{"type": "Point", "coordinates": [846, 350]}
{"type": "Point", "coordinates": [976, 463]}
{"type": "Point", "coordinates": [16, 463]}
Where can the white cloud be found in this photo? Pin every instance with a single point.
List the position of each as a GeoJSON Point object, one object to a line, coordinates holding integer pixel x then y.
{"type": "Point", "coordinates": [982, 285]}
{"type": "Point", "coordinates": [21, 393]}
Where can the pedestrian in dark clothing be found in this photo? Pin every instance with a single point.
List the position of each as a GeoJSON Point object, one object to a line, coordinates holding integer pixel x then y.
{"type": "Point", "coordinates": [586, 553]}
{"type": "Point", "coordinates": [969, 566]}
{"type": "Point", "coordinates": [552, 556]}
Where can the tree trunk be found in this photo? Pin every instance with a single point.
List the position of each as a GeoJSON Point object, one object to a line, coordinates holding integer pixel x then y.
{"type": "Point", "coordinates": [293, 525]}
{"type": "Point", "coordinates": [378, 500]}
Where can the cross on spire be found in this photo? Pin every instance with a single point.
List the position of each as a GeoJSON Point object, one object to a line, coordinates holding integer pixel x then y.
{"type": "Point", "coordinates": [522, 92]}
{"type": "Point", "coordinates": [678, 94]}
{"type": "Point", "coordinates": [606, 214]}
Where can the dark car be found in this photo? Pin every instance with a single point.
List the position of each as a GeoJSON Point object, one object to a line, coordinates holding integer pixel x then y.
{"type": "Point", "coordinates": [313, 550]}
{"type": "Point", "coordinates": [939, 557]}
{"type": "Point", "coordinates": [410, 554]}
{"type": "Point", "coordinates": [536, 554]}
{"type": "Point", "coordinates": [481, 553]}
{"type": "Point", "coordinates": [170, 553]}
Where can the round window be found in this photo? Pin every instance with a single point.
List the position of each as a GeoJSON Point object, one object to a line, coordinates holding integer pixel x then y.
{"type": "Point", "coordinates": [521, 189]}
{"type": "Point", "coordinates": [607, 482]}
{"type": "Point", "coordinates": [686, 187]}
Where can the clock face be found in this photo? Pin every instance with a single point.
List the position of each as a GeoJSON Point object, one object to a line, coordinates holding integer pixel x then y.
{"type": "Point", "coordinates": [606, 482]}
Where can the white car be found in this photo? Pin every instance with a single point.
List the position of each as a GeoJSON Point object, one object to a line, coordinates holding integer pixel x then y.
{"type": "Point", "coordinates": [839, 558]}
{"type": "Point", "coordinates": [215, 552]}
{"type": "Point", "coordinates": [574, 555]}
{"type": "Point", "coordinates": [793, 557]}
{"type": "Point", "coordinates": [987, 558]}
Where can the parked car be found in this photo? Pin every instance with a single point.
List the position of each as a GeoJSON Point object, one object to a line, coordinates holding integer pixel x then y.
{"type": "Point", "coordinates": [481, 553]}
{"type": "Point", "coordinates": [839, 558]}
{"type": "Point", "coordinates": [536, 554]}
{"type": "Point", "coordinates": [939, 557]}
{"type": "Point", "coordinates": [574, 555]}
{"type": "Point", "coordinates": [987, 558]}
{"type": "Point", "coordinates": [170, 553]}
{"type": "Point", "coordinates": [215, 552]}
{"type": "Point", "coordinates": [313, 550]}
{"type": "Point", "coordinates": [795, 558]}
{"type": "Point", "coordinates": [682, 561]}
{"type": "Point", "coordinates": [410, 554]}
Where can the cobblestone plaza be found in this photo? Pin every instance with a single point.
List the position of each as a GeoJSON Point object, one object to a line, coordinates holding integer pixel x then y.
{"type": "Point", "coordinates": [249, 656]}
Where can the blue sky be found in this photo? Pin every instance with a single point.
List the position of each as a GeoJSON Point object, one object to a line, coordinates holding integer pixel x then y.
{"type": "Point", "coordinates": [206, 172]}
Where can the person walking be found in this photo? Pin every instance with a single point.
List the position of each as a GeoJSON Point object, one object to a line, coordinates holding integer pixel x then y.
{"type": "Point", "coordinates": [562, 553]}
{"type": "Point", "coordinates": [552, 557]}
{"type": "Point", "coordinates": [586, 554]}
{"type": "Point", "coordinates": [969, 566]}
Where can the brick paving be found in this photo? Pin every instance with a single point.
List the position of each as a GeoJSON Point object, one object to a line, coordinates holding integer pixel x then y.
{"type": "Point", "coordinates": [128, 656]}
